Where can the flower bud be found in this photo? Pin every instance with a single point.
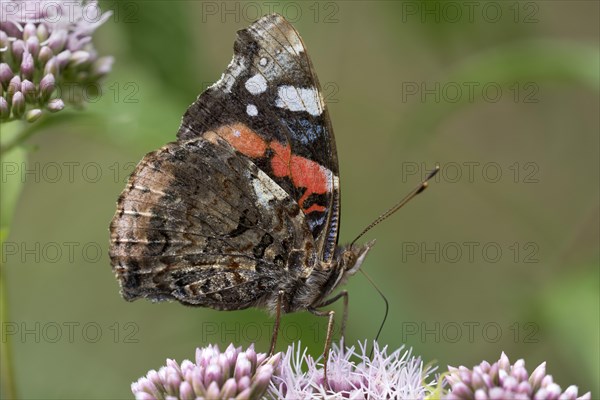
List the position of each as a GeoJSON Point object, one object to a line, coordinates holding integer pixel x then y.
{"type": "Point", "coordinates": [536, 376]}
{"type": "Point", "coordinates": [57, 40]}
{"type": "Point", "coordinates": [27, 66]}
{"type": "Point", "coordinates": [29, 30]}
{"type": "Point", "coordinates": [504, 362]}
{"type": "Point", "coordinates": [47, 86]}
{"type": "Point", "coordinates": [42, 32]}
{"type": "Point", "coordinates": [4, 109]}
{"type": "Point", "coordinates": [45, 55]}
{"type": "Point", "coordinates": [32, 45]}
{"type": "Point", "coordinates": [18, 48]}
{"type": "Point", "coordinates": [262, 378]}
{"type": "Point", "coordinates": [244, 383]}
{"type": "Point", "coordinates": [102, 67]}
{"type": "Point", "coordinates": [18, 104]}
{"type": "Point", "coordinates": [6, 75]}
{"type": "Point", "coordinates": [79, 57]}
{"type": "Point", "coordinates": [51, 67]}
{"type": "Point", "coordinates": [55, 105]}
{"type": "Point", "coordinates": [229, 389]}
{"type": "Point", "coordinates": [242, 367]}
{"type": "Point", "coordinates": [63, 58]}
{"type": "Point", "coordinates": [14, 86]}
{"type": "Point", "coordinates": [3, 41]}
{"type": "Point", "coordinates": [28, 90]}
{"type": "Point", "coordinates": [212, 391]}
{"type": "Point", "coordinates": [33, 115]}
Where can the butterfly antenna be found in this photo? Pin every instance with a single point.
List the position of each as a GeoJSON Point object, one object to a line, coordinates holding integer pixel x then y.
{"type": "Point", "coordinates": [418, 190]}
{"type": "Point", "coordinates": [387, 308]}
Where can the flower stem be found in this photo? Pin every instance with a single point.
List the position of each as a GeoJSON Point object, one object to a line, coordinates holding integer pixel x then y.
{"type": "Point", "coordinates": [12, 134]}
{"type": "Point", "coordinates": [19, 138]}
{"type": "Point", "coordinates": [8, 377]}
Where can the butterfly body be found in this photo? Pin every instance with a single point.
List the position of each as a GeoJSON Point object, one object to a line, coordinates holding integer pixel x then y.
{"type": "Point", "coordinates": [243, 210]}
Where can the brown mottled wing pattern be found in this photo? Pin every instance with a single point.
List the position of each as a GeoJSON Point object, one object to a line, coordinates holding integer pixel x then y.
{"type": "Point", "coordinates": [201, 224]}
{"type": "Point", "coordinates": [270, 86]}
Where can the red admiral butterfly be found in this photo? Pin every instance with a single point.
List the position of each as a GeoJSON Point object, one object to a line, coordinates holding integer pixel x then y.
{"type": "Point", "coordinates": [243, 210]}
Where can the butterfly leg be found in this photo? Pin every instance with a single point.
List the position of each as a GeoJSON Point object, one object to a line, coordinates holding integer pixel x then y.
{"type": "Point", "coordinates": [277, 321]}
{"type": "Point", "coordinates": [328, 338]}
{"type": "Point", "coordinates": [332, 300]}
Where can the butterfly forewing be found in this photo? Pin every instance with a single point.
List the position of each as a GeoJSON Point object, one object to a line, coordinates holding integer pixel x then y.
{"type": "Point", "coordinates": [268, 106]}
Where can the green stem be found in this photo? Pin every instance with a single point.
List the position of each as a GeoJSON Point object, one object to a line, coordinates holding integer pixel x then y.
{"type": "Point", "coordinates": [8, 377]}
{"type": "Point", "coordinates": [20, 138]}
{"type": "Point", "coordinates": [12, 135]}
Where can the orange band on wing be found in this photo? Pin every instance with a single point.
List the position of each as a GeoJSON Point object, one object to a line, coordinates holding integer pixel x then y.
{"type": "Point", "coordinates": [303, 173]}
{"type": "Point", "coordinates": [282, 160]}
{"type": "Point", "coordinates": [243, 139]}
{"type": "Point", "coordinates": [314, 207]}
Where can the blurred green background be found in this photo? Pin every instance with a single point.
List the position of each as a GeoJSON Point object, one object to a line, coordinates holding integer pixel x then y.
{"type": "Point", "coordinates": [482, 88]}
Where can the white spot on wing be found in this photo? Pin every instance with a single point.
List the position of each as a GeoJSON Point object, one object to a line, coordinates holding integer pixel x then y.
{"type": "Point", "coordinates": [266, 189]}
{"type": "Point", "coordinates": [257, 84]}
{"type": "Point", "coordinates": [263, 61]}
{"type": "Point", "coordinates": [296, 43]}
{"type": "Point", "coordinates": [332, 180]}
{"type": "Point", "coordinates": [137, 213]}
{"type": "Point", "coordinates": [251, 110]}
{"type": "Point", "coordinates": [299, 99]}
{"type": "Point", "coordinates": [234, 69]}
{"type": "Point", "coordinates": [263, 196]}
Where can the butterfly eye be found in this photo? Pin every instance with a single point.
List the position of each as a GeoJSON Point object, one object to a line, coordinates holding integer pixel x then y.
{"type": "Point", "coordinates": [353, 256]}
{"type": "Point", "coordinates": [349, 258]}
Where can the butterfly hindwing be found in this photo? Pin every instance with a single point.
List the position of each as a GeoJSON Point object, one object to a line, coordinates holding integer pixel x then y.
{"type": "Point", "coordinates": [201, 224]}
{"type": "Point", "coordinates": [268, 106]}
